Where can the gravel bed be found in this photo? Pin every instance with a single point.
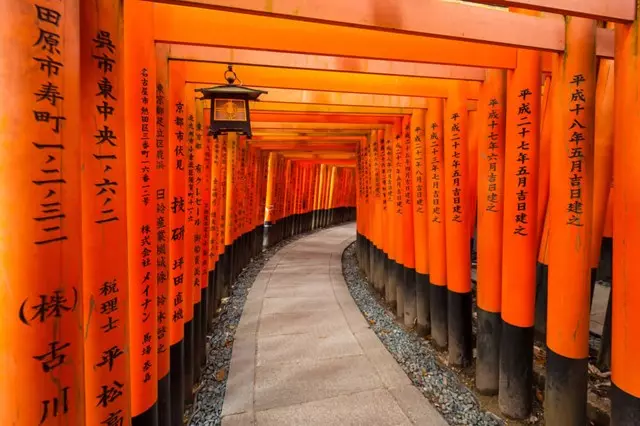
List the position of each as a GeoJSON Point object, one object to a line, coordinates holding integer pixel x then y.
{"type": "Point", "coordinates": [207, 408]}
{"type": "Point", "coordinates": [457, 404]}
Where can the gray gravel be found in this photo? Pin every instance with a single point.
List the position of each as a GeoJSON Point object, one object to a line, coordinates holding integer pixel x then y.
{"type": "Point", "coordinates": [457, 404]}
{"type": "Point", "coordinates": [207, 407]}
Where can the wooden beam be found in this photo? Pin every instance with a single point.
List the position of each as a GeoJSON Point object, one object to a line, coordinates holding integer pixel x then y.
{"type": "Point", "coordinates": [323, 63]}
{"type": "Point", "coordinates": [206, 72]}
{"type": "Point", "coordinates": [187, 25]}
{"type": "Point", "coordinates": [604, 10]}
{"type": "Point", "coordinates": [325, 127]}
{"type": "Point", "coordinates": [340, 109]}
{"type": "Point", "coordinates": [323, 118]}
{"type": "Point", "coordinates": [311, 139]}
{"type": "Point", "coordinates": [272, 146]}
{"type": "Point", "coordinates": [434, 18]}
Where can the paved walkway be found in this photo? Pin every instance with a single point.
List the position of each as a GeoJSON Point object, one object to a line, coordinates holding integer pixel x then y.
{"type": "Point", "coordinates": [304, 354]}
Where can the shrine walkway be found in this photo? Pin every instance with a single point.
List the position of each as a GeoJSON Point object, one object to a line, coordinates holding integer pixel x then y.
{"type": "Point", "coordinates": [305, 355]}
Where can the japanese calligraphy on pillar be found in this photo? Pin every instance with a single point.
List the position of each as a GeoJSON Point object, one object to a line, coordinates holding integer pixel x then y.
{"type": "Point", "coordinates": [398, 174]}
{"type": "Point", "coordinates": [177, 208]}
{"type": "Point", "coordinates": [407, 166]}
{"type": "Point", "coordinates": [456, 192]}
{"type": "Point", "coordinates": [146, 237]}
{"type": "Point", "coordinates": [493, 156]}
{"type": "Point", "coordinates": [49, 101]}
{"type": "Point", "coordinates": [383, 172]}
{"type": "Point", "coordinates": [389, 171]}
{"type": "Point", "coordinates": [575, 209]}
{"type": "Point", "coordinates": [162, 209]}
{"type": "Point", "coordinates": [521, 219]}
{"type": "Point", "coordinates": [50, 310]}
{"type": "Point", "coordinates": [436, 179]}
{"type": "Point", "coordinates": [198, 172]}
{"type": "Point", "coordinates": [418, 147]}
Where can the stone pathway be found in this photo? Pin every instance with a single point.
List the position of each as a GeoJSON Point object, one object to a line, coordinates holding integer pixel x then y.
{"type": "Point", "coordinates": [304, 354]}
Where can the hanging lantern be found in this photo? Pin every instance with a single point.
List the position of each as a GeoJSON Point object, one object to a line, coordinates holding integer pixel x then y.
{"type": "Point", "coordinates": [230, 106]}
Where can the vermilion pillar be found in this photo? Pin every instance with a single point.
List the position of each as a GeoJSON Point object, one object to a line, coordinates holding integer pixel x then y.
{"type": "Point", "coordinates": [457, 213]}
{"type": "Point", "coordinates": [162, 207]}
{"type": "Point", "coordinates": [437, 220]}
{"type": "Point", "coordinates": [40, 232]}
{"type": "Point", "coordinates": [491, 172]}
{"type": "Point", "coordinates": [625, 391]}
{"type": "Point", "coordinates": [420, 220]}
{"type": "Point", "coordinates": [140, 94]}
{"type": "Point", "coordinates": [571, 206]}
{"type": "Point", "coordinates": [522, 137]}
{"type": "Point", "coordinates": [104, 211]}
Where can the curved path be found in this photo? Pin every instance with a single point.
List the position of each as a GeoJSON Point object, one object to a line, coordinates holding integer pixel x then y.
{"type": "Point", "coordinates": [304, 354]}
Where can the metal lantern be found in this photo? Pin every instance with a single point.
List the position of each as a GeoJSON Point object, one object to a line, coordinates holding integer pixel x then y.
{"type": "Point", "coordinates": [230, 106]}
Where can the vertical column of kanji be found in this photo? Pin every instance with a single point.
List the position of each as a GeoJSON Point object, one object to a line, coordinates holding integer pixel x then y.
{"type": "Point", "coordinates": [188, 294]}
{"type": "Point", "coordinates": [625, 345]}
{"type": "Point", "coordinates": [420, 220]}
{"type": "Point", "coordinates": [41, 286]}
{"type": "Point", "coordinates": [377, 212]}
{"type": "Point", "coordinates": [243, 198]}
{"type": "Point", "coordinates": [104, 219]}
{"type": "Point", "coordinates": [214, 223]}
{"type": "Point", "coordinates": [140, 64]}
{"type": "Point", "coordinates": [571, 208]}
{"type": "Point", "coordinates": [457, 228]}
{"type": "Point", "coordinates": [390, 284]}
{"type": "Point", "coordinates": [230, 208]}
{"type": "Point", "coordinates": [490, 220]}
{"type": "Point", "coordinates": [522, 134]}
{"type": "Point", "coordinates": [199, 237]}
{"type": "Point", "coordinates": [436, 234]}
{"type": "Point", "coordinates": [398, 179]}
{"type": "Point", "coordinates": [366, 179]}
{"type": "Point", "coordinates": [162, 200]}
{"type": "Point", "coordinates": [383, 224]}
{"type": "Point", "coordinates": [177, 178]}
{"type": "Point", "coordinates": [222, 273]}
{"type": "Point", "coordinates": [409, 278]}
{"type": "Point", "coordinates": [269, 200]}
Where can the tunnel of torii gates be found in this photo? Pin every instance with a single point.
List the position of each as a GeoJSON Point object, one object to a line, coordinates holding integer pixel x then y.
{"type": "Point", "coordinates": [124, 222]}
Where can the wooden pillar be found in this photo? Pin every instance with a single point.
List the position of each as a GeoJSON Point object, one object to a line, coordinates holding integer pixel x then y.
{"type": "Point", "coordinates": [491, 174]}
{"type": "Point", "coordinates": [625, 375]}
{"type": "Point", "coordinates": [163, 236]}
{"type": "Point", "coordinates": [571, 207]}
{"type": "Point", "coordinates": [519, 238]}
{"type": "Point", "coordinates": [436, 233]}
{"type": "Point", "coordinates": [457, 212]}
{"type": "Point", "coordinates": [140, 94]}
{"type": "Point", "coordinates": [270, 200]}
{"type": "Point", "coordinates": [392, 220]}
{"type": "Point", "coordinates": [177, 175]}
{"type": "Point", "coordinates": [384, 213]}
{"type": "Point", "coordinates": [104, 211]}
{"type": "Point", "coordinates": [41, 256]}
{"type": "Point", "coordinates": [420, 220]}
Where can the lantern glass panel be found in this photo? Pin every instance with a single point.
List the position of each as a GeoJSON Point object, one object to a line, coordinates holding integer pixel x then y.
{"type": "Point", "coordinates": [230, 110]}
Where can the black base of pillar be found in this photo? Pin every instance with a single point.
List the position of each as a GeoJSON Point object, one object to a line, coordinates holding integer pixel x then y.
{"type": "Point", "coordinates": [211, 297]}
{"type": "Point", "coordinates": [488, 356]}
{"type": "Point", "coordinates": [625, 408]}
{"type": "Point", "coordinates": [516, 371]}
{"type": "Point", "coordinates": [542, 281]}
{"type": "Point", "coordinates": [197, 339]}
{"type": "Point", "coordinates": [566, 390]}
{"type": "Point", "coordinates": [188, 361]}
{"type": "Point", "coordinates": [410, 297]}
{"type": "Point", "coordinates": [176, 354]}
{"type": "Point", "coordinates": [459, 307]}
{"type": "Point", "coordinates": [392, 294]}
{"type": "Point", "coordinates": [388, 280]}
{"type": "Point", "coordinates": [438, 302]}
{"type": "Point", "coordinates": [148, 418]}
{"type": "Point", "coordinates": [164, 400]}
{"type": "Point", "coordinates": [422, 302]}
{"type": "Point", "coordinates": [400, 292]}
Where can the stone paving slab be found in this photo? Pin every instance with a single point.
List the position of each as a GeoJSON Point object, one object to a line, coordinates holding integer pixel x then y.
{"type": "Point", "coordinates": [304, 354]}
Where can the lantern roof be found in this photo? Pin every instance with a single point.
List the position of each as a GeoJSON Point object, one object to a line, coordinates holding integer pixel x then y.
{"type": "Point", "coordinates": [231, 89]}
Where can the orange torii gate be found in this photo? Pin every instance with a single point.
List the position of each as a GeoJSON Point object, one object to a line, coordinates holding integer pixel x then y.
{"type": "Point", "coordinates": [121, 285]}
